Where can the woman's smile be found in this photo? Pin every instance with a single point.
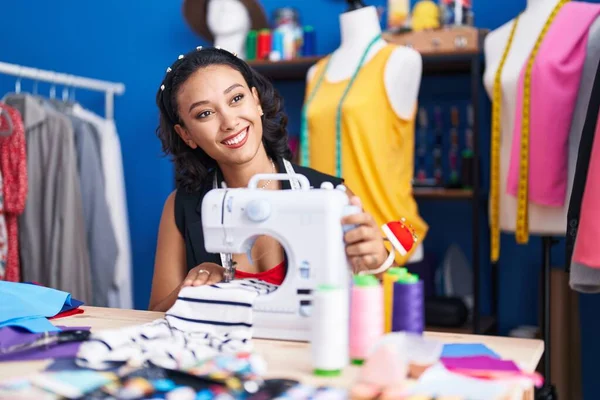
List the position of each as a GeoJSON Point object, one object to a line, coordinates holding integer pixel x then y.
{"type": "Point", "coordinates": [238, 139]}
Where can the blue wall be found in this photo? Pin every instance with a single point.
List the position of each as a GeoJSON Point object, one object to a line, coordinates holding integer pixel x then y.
{"type": "Point", "coordinates": [134, 41]}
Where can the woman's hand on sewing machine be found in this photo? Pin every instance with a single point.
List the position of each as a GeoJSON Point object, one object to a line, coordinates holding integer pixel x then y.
{"type": "Point", "coordinates": [204, 274]}
{"type": "Point", "coordinates": [364, 244]}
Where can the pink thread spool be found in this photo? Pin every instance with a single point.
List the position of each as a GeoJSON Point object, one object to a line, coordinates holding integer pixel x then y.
{"type": "Point", "coordinates": [366, 316]}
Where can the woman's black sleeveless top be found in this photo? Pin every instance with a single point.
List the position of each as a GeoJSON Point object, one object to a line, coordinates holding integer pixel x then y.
{"type": "Point", "coordinates": [188, 211]}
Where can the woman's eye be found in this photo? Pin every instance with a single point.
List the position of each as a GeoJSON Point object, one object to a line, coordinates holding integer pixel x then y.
{"type": "Point", "coordinates": [238, 98]}
{"type": "Point", "coordinates": [203, 114]}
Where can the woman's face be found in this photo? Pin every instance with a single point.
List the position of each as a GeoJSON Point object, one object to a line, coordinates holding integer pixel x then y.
{"type": "Point", "coordinates": [220, 114]}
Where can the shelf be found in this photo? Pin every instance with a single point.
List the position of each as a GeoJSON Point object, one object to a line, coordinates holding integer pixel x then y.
{"type": "Point", "coordinates": [439, 49]}
{"type": "Point", "coordinates": [487, 325]}
{"type": "Point", "coordinates": [433, 64]}
{"type": "Point", "coordinates": [286, 69]}
{"type": "Point", "coordinates": [441, 193]}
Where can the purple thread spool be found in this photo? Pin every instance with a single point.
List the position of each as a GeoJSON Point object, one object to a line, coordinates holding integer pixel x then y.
{"type": "Point", "coordinates": [408, 309]}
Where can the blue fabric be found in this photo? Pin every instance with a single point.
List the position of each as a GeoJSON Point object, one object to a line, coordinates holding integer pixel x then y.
{"type": "Point", "coordinates": [29, 306]}
{"type": "Point", "coordinates": [70, 304]}
{"type": "Point", "coordinates": [467, 350]}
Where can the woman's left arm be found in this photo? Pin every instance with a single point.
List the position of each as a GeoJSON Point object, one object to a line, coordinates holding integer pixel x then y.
{"type": "Point", "coordinates": [364, 244]}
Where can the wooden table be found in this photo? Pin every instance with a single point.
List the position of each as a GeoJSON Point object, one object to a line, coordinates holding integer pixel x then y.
{"type": "Point", "coordinates": [284, 359]}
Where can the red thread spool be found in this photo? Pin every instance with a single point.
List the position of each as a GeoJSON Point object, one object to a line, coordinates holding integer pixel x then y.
{"type": "Point", "coordinates": [264, 44]}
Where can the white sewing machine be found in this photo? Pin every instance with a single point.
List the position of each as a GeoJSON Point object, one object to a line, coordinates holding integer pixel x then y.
{"type": "Point", "coordinates": [307, 224]}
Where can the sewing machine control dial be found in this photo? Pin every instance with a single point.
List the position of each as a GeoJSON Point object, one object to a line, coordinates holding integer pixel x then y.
{"type": "Point", "coordinates": [258, 210]}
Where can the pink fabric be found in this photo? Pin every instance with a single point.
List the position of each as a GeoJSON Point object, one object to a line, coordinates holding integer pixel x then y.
{"type": "Point", "coordinates": [586, 246]}
{"type": "Point", "coordinates": [555, 79]}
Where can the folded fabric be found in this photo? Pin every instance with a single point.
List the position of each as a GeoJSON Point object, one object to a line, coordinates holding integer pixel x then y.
{"type": "Point", "coordinates": [67, 313]}
{"type": "Point", "coordinates": [480, 363]}
{"type": "Point", "coordinates": [70, 303]}
{"type": "Point", "coordinates": [10, 336]}
{"type": "Point", "coordinates": [485, 367]}
{"type": "Point", "coordinates": [29, 306]}
{"type": "Point", "coordinates": [204, 321]}
{"type": "Point", "coordinates": [467, 350]}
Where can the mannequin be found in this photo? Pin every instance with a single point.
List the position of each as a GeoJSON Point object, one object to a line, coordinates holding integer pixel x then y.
{"type": "Point", "coordinates": [403, 70]}
{"type": "Point", "coordinates": [229, 22]}
{"type": "Point", "coordinates": [543, 219]}
{"type": "Point", "coordinates": [400, 77]}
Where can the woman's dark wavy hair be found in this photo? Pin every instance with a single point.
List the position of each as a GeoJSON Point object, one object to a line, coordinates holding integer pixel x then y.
{"type": "Point", "coordinates": [193, 165]}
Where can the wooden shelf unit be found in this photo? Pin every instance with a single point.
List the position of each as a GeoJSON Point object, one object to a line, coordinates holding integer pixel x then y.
{"type": "Point", "coordinates": [440, 55]}
{"type": "Point", "coordinates": [442, 193]}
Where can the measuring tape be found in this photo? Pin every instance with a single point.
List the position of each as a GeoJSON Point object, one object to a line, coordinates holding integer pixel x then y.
{"type": "Point", "coordinates": [522, 229]}
{"type": "Point", "coordinates": [523, 190]}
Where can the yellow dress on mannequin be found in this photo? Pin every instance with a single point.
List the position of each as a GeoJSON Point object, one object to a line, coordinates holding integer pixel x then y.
{"type": "Point", "coordinates": [377, 146]}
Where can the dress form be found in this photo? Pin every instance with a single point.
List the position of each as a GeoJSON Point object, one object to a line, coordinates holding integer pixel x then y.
{"type": "Point", "coordinates": [229, 22]}
{"type": "Point", "coordinates": [403, 70]}
{"type": "Point", "coordinates": [543, 220]}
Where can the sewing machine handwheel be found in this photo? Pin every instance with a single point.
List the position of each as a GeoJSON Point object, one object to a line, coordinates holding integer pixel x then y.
{"type": "Point", "coordinates": [304, 183]}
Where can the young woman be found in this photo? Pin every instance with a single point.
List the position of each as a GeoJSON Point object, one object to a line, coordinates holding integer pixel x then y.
{"type": "Point", "coordinates": [222, 122]}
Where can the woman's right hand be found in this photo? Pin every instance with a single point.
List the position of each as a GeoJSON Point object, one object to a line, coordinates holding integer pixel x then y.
{"type": "Point", "coordinates": [204, 274]}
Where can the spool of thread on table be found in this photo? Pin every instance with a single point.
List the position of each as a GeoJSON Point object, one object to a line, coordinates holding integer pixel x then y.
{"type": "Point", "coordinates": [329, 330]}
{"type": "Point", "coordinates": [366, 316]}
{"type": "Point", "coordinates": [408, 313]}
{"type": "Point", "coordinates": [389, 277]}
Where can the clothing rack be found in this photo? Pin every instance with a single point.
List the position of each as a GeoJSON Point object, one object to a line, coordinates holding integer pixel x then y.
{"type": "Point", "coordinates": [109, 88]}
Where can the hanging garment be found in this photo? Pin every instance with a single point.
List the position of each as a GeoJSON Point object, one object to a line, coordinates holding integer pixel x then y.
{"type": "Point", "coordinates": [101, 239]}
{"type": "Point", "coordinates": [204, 321]}
{"type": "Point", "coordinates": [586, 250]}
{"type": "Point", "coordinates": [584, 279]}
{"type": "Point", "coordinates": [541, 219]}
{"type": "Point", "coordinates": [52, 235]}
{"type": "Point", "coordinates": [13, 168]}
{"type": "Point", "coordinates": [556, 74]}
{"type": "Point", "coordinates": [377, 146]}
{"type": "Point", "coordinates": [120, 296]}
{"type": "Point", "coordinates": [3, 233]}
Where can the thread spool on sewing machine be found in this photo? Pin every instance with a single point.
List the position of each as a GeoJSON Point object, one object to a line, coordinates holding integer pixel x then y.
{"type": "Point", "coordinates": [307, 224]}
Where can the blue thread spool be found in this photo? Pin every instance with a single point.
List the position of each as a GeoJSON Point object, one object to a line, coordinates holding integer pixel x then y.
{"type": "Point", "coordinates": [408, 311]}
{"type": "Point", "coordinates": [277, 49]}
{"type": "Point", "coordinates": [309, 42]}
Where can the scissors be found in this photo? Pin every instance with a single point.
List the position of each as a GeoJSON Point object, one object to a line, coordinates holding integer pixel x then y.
{"type": "Point", "coordinates": [48, 340]}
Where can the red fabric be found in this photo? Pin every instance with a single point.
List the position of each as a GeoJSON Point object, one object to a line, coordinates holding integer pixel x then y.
{"type": "Point", "coordinates": [586, 246]}
{"type": "Point", "coordinates": [274, 276]}
{"type": "Point", "coordinates": [13, 165]}
{"type": "Point", "coordinates": [68, 313]}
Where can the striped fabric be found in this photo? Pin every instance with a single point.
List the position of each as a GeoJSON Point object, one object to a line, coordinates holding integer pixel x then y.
{"type": "Point", "coordinates": [204, 321]}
